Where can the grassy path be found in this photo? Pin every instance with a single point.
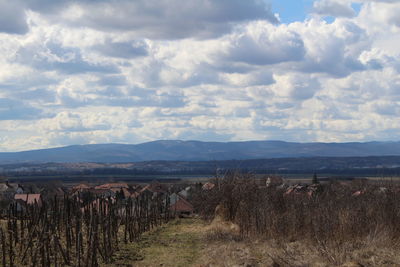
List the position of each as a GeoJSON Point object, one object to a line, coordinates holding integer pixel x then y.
{"type": "Point", "coordinates": [192, 242]}
{"type": "Point", "coordinates": [175, 244]}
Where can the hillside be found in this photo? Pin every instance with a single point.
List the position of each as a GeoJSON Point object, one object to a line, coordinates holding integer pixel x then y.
{"type": "Point", "coordinates": [171, 150]}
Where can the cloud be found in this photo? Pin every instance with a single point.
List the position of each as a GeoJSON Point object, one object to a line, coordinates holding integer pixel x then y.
{"type": "Point", "coordinates": [260, 77]}
{"type": "Point", "coordinates": [74, 122]}
{"type": "Point", "coordinates": [11, 109]}
{"type": "Point", "coordinates": [112, 80]}
{"type": "Point", "coordinates": [134, 71]}
{"type": "Point", "coordinates": [384, 12]}
{"type": "Point", "coordinates": [12, 17]}
{"type": "Point", "coordinates": [334, 8]}
{"type": "Point", "coordinates": [165, 19]}
{"type": "Point", "coordinates": [295, 86]}
{"type": "Point", "coordinates": [263, 44]}
{"type": "Point", "coordinates": [52, 56]}
{"type": "Point", "coordinates": [332, 48]}
{"type": "Point", "coordinates": [123, 49]}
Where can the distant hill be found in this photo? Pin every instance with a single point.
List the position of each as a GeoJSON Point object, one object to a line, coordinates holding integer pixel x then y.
{"type": "Point", "coordinates": [175, 150]}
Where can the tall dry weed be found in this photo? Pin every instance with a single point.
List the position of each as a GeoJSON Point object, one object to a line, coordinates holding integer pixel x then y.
{"type": "Point", "coordinates": [336, 220]}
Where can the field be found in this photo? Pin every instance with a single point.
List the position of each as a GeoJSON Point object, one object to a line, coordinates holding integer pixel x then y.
{"type": "Point", "coordinates": [239, 219]}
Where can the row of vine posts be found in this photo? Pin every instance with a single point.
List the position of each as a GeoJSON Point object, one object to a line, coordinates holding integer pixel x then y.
{"type": "Point", "coordinates": [68, 232]}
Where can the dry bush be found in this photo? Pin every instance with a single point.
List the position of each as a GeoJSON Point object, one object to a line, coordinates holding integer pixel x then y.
{"type": "Point", "coordinates": [333, 220]}
{"type": "Point", "coordinates": [222, 234]}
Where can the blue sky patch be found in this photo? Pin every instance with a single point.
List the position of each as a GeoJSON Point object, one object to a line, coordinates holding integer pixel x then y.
{"type": "Point", "coordinates": [291, 10]}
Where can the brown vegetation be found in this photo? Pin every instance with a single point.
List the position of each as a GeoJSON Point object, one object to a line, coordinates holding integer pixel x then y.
{"type": "Point", "coordinates": [329, 220]}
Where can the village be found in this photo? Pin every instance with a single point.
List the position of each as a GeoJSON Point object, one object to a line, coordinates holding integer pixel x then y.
{"type": "Point", "coordinates": [179, 196]}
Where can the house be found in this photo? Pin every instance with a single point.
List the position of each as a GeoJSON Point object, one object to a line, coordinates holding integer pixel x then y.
{"type": "Point", "coordinates": [112, 186]}
{"type": "Point", "coordinates": [273, 181]}
{"type": "Point", "coordinates": [185, 192]}
{"type": "Point", "coordinates": [52, 193]}
{"type": "Point", "coordinates": [8, 190]}
{"type": "Point", "coordinates": [208, 186]}
{"type": "Point", "coordinates": [24, 200]}
{"type": "Point", "coordinates": [173, 198]}
{"type": "Point", "coordinates": [102, 193]}
{"type": "Point", "coordinates": [181, 207]}
{"type": "Point", "coordinates": [19, 190]}
{"type": "Point", "coordinates": [126, 193]}
{"type": "Point", "coordinates": [154, 189]}
{"type": "Point", "coordinates": [297, 189]}
{"type": "Point", "coordinates": [80, 188]}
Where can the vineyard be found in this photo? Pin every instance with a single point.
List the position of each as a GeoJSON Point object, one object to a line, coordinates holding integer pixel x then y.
{"type": "Point", "coordinates": [70, 232]}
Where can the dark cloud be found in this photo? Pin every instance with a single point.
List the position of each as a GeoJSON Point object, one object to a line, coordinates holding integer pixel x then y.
{"type": "Point", "coordinates": [123, 49]}
{"type": "Point", "coordinates": [78, 65]}
{"type": "Point", "coordinates": [12, 17]}
{"type": "Point", "coordinates": [112, 80]}
{"type": "Point", "coordinates": [165, 19]}
{"type": "Point", "coordinates": [11, 109]}
{"type": "Point", "coordinates": [158, 19]}
{"type": "Point", "coordinates": [333, 8]}
{"type": "Point", "coordinates": [143, 98]}
{"type": "Point", "coordinates": [261, 78]}
{"type": "Point", "coordinates": [40, 95]}
{"type": "Point", "coordinates": [387, 108]}
{"type": "Point", "coordinates": [230, 67]}
{"type": "Point", "coordinates": [340, 67]}
{"type": "Point", "coordinates": [116, 97]}
{"type": "Point", "coordinates": [19, 85]}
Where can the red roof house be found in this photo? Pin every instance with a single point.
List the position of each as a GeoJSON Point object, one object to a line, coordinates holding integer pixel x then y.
{"type": "Point", "coordinates": [112, 186]}
{"type": "Point", "coordinates": [208, 186]}
{"type": "Point", "coordinates": [182, 206]}
{"type": "Point", "coordinates": [80, 188]}
{"type": "Point", "coordinates": [28, 199]}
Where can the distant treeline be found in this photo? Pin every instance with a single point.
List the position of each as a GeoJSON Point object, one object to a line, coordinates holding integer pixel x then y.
{"type": "Point", "coordinates": [145, 176]}
{"type": "Point", "coordinates": [351, 166]}
{"type": "Point", "coordinates": [350, 172]}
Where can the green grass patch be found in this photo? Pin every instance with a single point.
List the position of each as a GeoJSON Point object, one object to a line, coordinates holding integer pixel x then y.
{"type": "Point", "coordinates": [174, 244]}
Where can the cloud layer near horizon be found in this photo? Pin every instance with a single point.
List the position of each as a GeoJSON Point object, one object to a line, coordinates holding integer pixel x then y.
{"type": "Point", "coordinates": [75, 72]}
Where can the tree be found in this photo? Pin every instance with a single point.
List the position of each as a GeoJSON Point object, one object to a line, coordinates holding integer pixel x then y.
{"type": "Point", "coordinates": [315, 179]}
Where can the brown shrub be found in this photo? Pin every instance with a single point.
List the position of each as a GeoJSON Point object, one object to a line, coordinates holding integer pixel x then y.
{"type": "Point", "coordinates": [333, 219]}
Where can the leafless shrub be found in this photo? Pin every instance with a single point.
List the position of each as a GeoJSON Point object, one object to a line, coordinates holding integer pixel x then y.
{"type": "Point", "coordinates": [222, 234]}
{"type": "Point", "coordinates": [336, 219]}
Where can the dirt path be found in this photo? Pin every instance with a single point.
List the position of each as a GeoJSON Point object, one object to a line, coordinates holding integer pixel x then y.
{"type": "Point", "coordinates": [175, 244]}
{"type": "Point", "coordinates": [191, 242]}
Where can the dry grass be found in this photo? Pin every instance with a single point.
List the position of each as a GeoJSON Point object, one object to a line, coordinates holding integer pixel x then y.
{"type": "Point", "coordinates": [329, 228]}
{"type": "Point", "coordinates": [175, 244]}
{"type": "Point", "coordinates": [191, 242]}
{"type": "Point", "coordinates": [253, 226]}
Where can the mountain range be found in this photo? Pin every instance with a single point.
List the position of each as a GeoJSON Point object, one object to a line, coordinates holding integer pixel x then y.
{"type": "Point", "coordinates": [176, 150]}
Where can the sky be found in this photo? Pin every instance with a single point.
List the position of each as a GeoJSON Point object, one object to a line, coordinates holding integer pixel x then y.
{"type": "Point", "coordinates": [123, 71]}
